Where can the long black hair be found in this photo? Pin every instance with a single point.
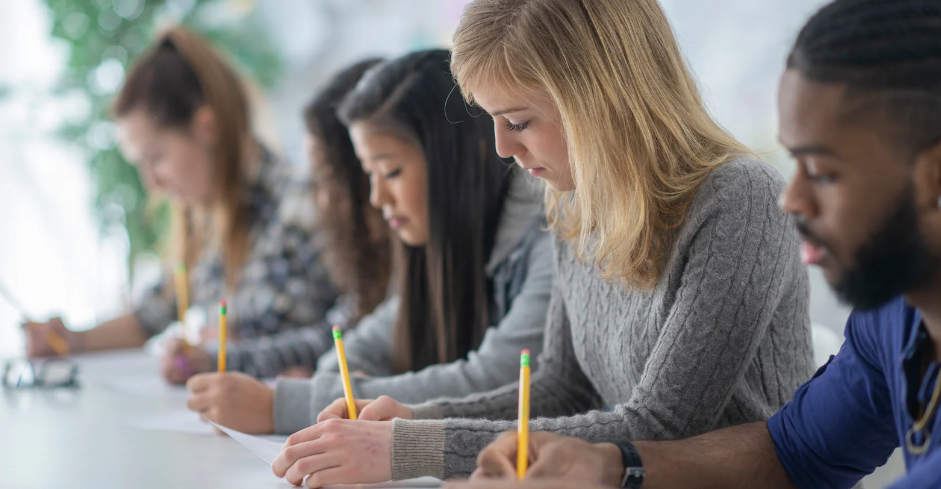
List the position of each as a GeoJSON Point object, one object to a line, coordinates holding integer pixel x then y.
{"type": "Point", "coordinates": [445, 294]}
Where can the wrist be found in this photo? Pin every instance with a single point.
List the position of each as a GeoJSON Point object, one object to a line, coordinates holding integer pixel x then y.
{"type": "Point", "coordinates": [269, 403]}
{"type": "Point", "coordinates": [78, 341]}
{"type": "Point", "coordinates": [613, 460]}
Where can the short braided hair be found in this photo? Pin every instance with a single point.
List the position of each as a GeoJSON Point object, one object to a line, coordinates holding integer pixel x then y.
{"type": "Point", "coordinates": [888, 54]}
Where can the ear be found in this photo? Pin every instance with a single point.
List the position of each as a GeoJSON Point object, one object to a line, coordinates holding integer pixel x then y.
{"type": "Point", "coordinates": [204, 128]}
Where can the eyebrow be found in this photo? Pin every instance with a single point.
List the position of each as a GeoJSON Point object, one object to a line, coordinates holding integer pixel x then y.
{"type": "Point", "coordinates": [812, 150]}
{"type": "Point", "coordinates": [508, 111]}
{"type": "Point", "coordinates": [379, 158]}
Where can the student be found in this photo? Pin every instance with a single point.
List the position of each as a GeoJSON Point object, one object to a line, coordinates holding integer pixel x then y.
{"type": "Point", "coordinates": [356, 250]}
{"type": "Point", "coordinates": [680, 305]}
{"type": "Point", "coordinates": [476, 264]}
{"type": "Point", "coordinates": [244, 232]}
{"type": "Point", "coordinates": [860, 111]}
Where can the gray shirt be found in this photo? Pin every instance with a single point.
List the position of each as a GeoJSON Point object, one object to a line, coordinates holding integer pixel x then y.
{"type": "Point", "coordinates": [521, 271]}
{"type": "Point", "coordinates": [722, 339]}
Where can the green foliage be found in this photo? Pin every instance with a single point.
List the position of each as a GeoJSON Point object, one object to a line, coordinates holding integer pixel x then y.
{"type": "Point", "coordinates": [103, 35]}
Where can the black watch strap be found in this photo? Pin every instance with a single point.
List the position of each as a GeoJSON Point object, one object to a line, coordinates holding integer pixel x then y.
{"type": "Point", "coordinates": [633, 467]}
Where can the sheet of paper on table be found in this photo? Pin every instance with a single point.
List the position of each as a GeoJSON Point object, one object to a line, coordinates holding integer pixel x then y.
{"type": "Point", "coordinates": [138, 386]}
{"type": "Point", "coordinates": [268, 450]}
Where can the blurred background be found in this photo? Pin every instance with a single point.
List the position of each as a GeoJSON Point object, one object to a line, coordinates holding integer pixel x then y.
{"type": "Point", "coordinates": [77, 236]}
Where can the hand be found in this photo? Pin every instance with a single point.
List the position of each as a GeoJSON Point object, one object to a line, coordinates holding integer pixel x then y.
{"type": "Point", "coordinates": [297, 373]}
{"type": "Point", "coordinates": [177, 365]}
{"type": "Point", "coordinates": [337, 451]}
{"type": "Point", "coordinates": [233, 400]}
{"type": "Point", "coordinates": [382, 409]}
{"type": "Point", "coordinates": [210, 334]}
{"type": "Point", "coordinates": [524, 484]}
{"type": "Point", "coordinates": [552, 456]}
{"type": "Point", "coordinates": [41, 338]}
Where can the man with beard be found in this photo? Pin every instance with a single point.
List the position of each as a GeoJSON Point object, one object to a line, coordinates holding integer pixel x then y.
{"type": "Point", "coordinates": [860, 111]}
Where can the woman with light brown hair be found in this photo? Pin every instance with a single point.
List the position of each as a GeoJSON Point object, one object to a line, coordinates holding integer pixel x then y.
{"type": "Point", "coordinates": [680, 303]}
{"type": "Point", "coordinates": [242, 223]}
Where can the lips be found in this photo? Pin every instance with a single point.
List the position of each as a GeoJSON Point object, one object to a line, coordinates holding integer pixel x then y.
{"type": "Point", "coordinates": [396, 222]}
{"type": "Point", "coordinates": [534, 171]}
{"type": "Point", "coordinates": [812, 254]}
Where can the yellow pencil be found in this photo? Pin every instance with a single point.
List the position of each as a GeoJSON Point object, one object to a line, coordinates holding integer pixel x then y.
{"type": "Point", "coordinates": [522, 449]}
{"type": "Point", "coordinates": [182, 300]}
{"type": "Point", "coordinates": [54, 340]}
{"type": "Point", "coordinates": [222, 335]}
{"type": "Point", "coordinates": [345, 372]}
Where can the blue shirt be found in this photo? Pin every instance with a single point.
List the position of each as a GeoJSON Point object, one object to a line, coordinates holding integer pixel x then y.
{"type": "Point", "coordinates": [847, 420]}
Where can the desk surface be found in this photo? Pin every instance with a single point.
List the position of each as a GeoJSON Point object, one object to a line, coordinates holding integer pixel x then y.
{"type": "Point", "coordinates": [84, 438]}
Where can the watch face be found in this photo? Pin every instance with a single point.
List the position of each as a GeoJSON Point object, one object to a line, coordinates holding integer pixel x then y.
{"type": "Point", "coordinates": [633, 477]}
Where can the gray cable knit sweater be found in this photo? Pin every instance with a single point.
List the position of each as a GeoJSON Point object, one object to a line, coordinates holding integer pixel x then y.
{"type": "Point", "coordinates": [723, 339]}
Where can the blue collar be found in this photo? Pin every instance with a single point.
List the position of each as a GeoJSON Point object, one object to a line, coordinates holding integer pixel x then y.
{"type": "Point", "coordinates": [916, 334]}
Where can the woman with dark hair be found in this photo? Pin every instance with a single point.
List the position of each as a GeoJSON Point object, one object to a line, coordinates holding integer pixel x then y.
{"type": "Point", "coordinates": [356, 246]}
{"type": "Point", "coordinates": [474, 266]}
{"type": "Point", "coordinates": [242, 223]}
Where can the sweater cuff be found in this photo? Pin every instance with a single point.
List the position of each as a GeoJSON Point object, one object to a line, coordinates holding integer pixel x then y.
{"type": "Point", "coordinates": [427, 410]}
{"type": "Point", "coordinates": [417, 449]}
{"type": "Point", "coordinates": [326, 387]}
{"type": "Point", "coordinates": [292, 405]}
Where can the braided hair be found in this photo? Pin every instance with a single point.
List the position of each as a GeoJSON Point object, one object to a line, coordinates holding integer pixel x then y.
{"type": "Point", "coordinates": [888, 55]}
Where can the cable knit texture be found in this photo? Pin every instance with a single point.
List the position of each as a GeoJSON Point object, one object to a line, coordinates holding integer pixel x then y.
{"type": "Point", "coordinates": [723, 338]}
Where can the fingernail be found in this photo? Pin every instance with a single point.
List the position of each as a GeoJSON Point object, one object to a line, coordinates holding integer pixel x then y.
{"type": "Point", "coordinates": [183, 364]}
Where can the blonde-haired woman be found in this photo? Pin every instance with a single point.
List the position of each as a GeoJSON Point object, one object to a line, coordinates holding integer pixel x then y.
{"type": "Point", "coordinates": [680, 305]}
{"type": "Point", "coordinates": [244, 225]}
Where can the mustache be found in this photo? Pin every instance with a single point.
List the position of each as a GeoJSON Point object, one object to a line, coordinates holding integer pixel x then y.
{"type": "Point", "coordinates": [807, 234]}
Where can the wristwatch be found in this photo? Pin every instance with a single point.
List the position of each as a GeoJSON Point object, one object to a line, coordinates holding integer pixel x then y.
{"type": "Point", "coordinates": [633, 468]}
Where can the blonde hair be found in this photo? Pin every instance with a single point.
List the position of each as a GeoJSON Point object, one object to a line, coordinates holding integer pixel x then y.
{"type": "Point", "coordinates": [180, 74]}
{"type": "Point", "coordinates": [639, 138]}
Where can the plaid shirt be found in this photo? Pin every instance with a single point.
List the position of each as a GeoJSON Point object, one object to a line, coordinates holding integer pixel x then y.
{"type": "Point", "coordinates": [282, 285]}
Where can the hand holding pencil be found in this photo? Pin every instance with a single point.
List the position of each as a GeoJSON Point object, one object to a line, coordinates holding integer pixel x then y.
{"type": "Point", "coordinates": [48, 339]}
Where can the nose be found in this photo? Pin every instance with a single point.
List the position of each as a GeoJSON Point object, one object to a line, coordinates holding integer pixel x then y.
{"type": "Point", "coordinates": [507, 142]}
{"type": "Point", "coordinates": [797, 198]}
{"type": "Point", "coordinates": [379, 195]}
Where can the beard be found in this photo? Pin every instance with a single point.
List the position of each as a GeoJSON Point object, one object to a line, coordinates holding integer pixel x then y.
{"type": "Point", "coordinates": [891, 262]}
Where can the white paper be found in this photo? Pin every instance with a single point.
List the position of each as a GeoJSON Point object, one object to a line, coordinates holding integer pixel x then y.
{"type": "Point", "coordinates": [421, 482]}
{"type": "Point", "coordinates": [181, 421]}
{"type": "Point", "coordinates": [139, 386]}
{"type": "Point", "coordinates": [268, 450]}
{"type": "Point", "coordinates": [265, 449]}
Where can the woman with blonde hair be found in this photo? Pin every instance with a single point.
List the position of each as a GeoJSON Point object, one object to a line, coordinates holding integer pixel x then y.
{"type": "Point", "coordinates": [242, 223]}
{"type": "Point", "coordinates": [681, 303]}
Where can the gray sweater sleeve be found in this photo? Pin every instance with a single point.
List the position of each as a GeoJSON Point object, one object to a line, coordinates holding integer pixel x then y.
{"type": "Point", "coordinates": [491, 365]}
{"type": "Point", "coordinates": [367, 349]}
{"type": "Point", "coordinates": [268, 356]}
{"type": "Point", "coordinates": [738, 265]}
{"type": "Point", "coordinates": [368, 346]}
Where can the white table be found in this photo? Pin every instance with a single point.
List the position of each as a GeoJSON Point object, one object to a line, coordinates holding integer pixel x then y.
{"type": "Point", "coordinates": [81, 438]}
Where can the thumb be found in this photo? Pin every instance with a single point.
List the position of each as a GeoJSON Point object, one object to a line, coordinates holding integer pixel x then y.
{"type": "Point", "coordinates": [382, 409]}
{"type": "Point", "coordinates": [498, 460]}
{"type": "Point", "coordinates": [336, 410]}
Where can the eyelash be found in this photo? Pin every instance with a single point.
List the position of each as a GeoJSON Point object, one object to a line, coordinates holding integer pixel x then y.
{"type": "Point", "coordinates": [391, 174]}
{"type": "Point", "coordinates": [516, 127]}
